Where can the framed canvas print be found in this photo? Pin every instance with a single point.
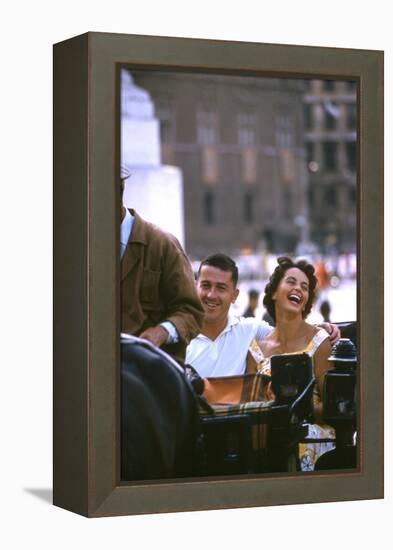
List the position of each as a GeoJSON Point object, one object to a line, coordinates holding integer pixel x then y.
{"type": "Point", "coordinates": [217, 214]}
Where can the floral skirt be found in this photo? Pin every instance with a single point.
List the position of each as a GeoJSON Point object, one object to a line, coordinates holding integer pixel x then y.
{"type": "Point", "coordinates": [310, 452]}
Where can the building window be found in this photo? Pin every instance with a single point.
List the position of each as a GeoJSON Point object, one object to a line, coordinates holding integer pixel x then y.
{"type": "Point", "coordinates": [328, 85]}
{"type": "Point", "coordinates": [308, 122]}
{"type": "Point", "coordinates": [287, 165]}
{"type": "Point", "coordinates": [208, 208]}
{"type": "Point", "coordinates": [287, 204]}
{"type": "Point", "coordinates": [210, 172]}
{"type": "Point", "coordinates": [351, 155]}
{"type": "Point", "coordinates": [330, 155]}
{"type": "Point", "coordinates": [312, 164]}
{"type": "Point", "coordinates": [284, 130]}
{"type": "Point", "coordinates": [206, 126]}
{"type": "Point", "coordinates": [249, 164]}
{"type": "Point", "coordinates": [311, 196]}
{"type": "Point", "coordinates": [247, 128]}
{"type": "Point", "coordinates": [331, 115]}
{"type": "Point", "coordinates": [248, 210]}
{"type": "Point", "coordinates": [331, 197]}
{"type": "Point", "coordinates": [310, 152]}
{"type": "Point", "coordinates": [351, 116]}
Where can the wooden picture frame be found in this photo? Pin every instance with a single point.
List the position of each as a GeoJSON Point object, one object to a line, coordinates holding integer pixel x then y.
{"type": "Point", "coordinates": [86, 279]}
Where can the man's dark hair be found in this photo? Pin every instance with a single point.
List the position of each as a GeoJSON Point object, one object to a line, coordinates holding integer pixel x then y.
{"type": "Point", "coordinates": [285, 263]}
{"type": "Point", "coordinates": [223, 262]}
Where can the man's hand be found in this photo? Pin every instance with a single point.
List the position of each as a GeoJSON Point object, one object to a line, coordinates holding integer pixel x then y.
{"type": "Point", "coordinates": [156, 335]}
{"type": "Point", "coordinates": [332, 330]}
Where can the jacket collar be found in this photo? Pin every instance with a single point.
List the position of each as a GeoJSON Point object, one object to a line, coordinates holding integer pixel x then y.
{"type": "Point", "coordinates": [139, 232]}
{"type": "Point", "coordinates": [133, 252]}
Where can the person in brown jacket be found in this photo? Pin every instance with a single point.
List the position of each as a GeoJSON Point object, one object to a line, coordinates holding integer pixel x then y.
{"type": "Point", "coordinates": [159, 301]}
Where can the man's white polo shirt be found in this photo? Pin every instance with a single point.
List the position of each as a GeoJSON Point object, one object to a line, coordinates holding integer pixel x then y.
{"type": "Point", "coordinates": [226, 355]}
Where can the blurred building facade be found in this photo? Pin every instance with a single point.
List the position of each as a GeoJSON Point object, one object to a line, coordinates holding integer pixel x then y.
{"type": "Point", "coordinates": [240, 144]}
{"type": "Point", "coordinates": [268, 164]}
{"type": "Point", "coordinates": [330, 118]}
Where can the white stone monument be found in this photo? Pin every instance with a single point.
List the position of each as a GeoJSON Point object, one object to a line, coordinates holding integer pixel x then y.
{"type": "Point", "coordinates": [153, 189]}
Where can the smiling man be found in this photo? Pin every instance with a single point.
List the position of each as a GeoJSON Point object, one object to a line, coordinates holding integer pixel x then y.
{"type": "Point", "coordinates": [222, 346]}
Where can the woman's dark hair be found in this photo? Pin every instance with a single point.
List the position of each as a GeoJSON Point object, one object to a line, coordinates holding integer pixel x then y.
{"type": "Point", "coordinates": [285, 263]}
{"type": "Point", "coordinates": [223, 262]}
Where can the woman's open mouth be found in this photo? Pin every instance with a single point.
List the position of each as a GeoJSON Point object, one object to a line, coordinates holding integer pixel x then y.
{"type": "Point", "coordinates": [294, 298]}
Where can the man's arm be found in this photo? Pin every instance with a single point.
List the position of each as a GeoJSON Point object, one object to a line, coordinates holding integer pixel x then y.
{"type": "Point", "coordinates": [182, 312]}
{"type": "Point", "coordinates": [183, 307]}
{"type": "Point", "coordinates": [332, 330]}
{"type": "Point", "coordinates": [263, 330]}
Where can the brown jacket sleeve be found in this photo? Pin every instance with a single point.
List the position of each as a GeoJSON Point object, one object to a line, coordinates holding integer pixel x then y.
{"type": "Point", "coordinates": [183, 306]}
{"type": "Point", "coordinates": [157, 284]}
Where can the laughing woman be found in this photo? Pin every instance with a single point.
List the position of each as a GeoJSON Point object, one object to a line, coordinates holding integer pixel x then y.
{"type": "Point", "coordinates": [288, 298]}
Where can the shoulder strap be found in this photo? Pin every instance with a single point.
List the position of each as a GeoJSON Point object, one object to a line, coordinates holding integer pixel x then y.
{"type": "Point", "coordinates": [316, 341]}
